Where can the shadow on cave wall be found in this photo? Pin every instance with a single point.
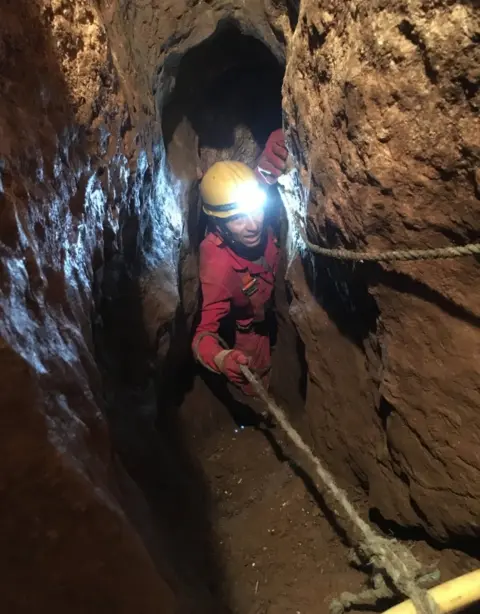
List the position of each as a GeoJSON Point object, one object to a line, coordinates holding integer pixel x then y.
{"type": "Point", "coordinates": [341, 288]}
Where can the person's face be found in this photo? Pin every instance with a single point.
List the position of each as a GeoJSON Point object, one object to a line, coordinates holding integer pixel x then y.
{"type": "Point", "coordinates": [247, 228]}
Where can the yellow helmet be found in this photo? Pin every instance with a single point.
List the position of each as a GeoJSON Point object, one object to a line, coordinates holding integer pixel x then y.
{"type": "Point", "coordinates": [229, 188]}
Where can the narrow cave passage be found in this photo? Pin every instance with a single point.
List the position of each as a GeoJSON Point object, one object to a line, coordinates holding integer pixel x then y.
{"type": "Point", "coordinates": [268, 523]}
{"type": "Point", "coordinates": [127, 483]}
{"type": "Point", "coordinates": [207, 482]}
{"type": "Point", "coordinates": [273, 531]}
{"type": "Point", "coordinates": [242, 527]}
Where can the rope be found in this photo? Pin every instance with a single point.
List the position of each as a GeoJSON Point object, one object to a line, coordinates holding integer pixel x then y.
{"type": "Point", "coordinates": [389, 256]}
{"type": "Point", "coordinates": [371, 596]}
{"type": "Point", "coordinates": [387, 554]}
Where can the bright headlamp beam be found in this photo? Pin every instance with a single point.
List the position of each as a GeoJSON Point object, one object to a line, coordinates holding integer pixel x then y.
{"type": "Point", "coordinates": [249, 198]}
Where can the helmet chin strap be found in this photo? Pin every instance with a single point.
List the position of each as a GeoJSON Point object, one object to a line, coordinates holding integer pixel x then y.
{"type": "Point", "coordinates": [225, 233]}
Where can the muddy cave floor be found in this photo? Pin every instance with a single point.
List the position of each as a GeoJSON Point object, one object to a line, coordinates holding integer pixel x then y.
{"type": "Point", "coordinates": [280, 553]}
{"type": "Point", "coordinates": [276, 546]}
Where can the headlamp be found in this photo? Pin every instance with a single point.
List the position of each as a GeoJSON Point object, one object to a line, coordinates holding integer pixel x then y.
{"type": "Point", "coordinates": [249, 197]}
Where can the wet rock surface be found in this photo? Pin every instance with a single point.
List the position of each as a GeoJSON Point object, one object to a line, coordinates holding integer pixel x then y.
{"type": "Point", "coordinates": [385, 111]}
{"type": "Point", "coordinates": [66, 540]}
{"type": "Point", "coordinates": [98, 292]}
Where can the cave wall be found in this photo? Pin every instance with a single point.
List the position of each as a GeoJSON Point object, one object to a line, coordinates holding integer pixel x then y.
{"type": "Point", "coordinates": [67, 179]}
{"type": "Point", "coordinates": [94, 236]}
{"type": "Point", "coordinates": [382, 102]}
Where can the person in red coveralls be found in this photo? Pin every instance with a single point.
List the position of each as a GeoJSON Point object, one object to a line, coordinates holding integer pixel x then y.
{"type": "Point", "coordinates": [238, 263]}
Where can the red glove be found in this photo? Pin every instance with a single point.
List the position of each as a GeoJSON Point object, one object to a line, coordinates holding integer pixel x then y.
{"type": "Point", "coordinates": [273, 161]}
{"type": "Point", "coordinates": [229, 361]}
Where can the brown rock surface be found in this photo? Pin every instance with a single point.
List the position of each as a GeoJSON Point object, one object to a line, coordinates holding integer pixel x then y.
{"type": "Point", "coordinates": [82, 190]}
{"type": "Point", "coordinates": [97, 271]}
{"type": "Point", "coordinates": [66, 542]}
{"type": "Point", "coordinates": [383, 99]}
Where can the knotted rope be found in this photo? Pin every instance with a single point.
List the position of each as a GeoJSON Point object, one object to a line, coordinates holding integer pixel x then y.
{"type": "Point", "coordinates": [384, 554]}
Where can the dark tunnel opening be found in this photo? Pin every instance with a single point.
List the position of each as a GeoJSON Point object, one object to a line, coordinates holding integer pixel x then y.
{"type": "Point", "coordinates": [229, 79]}
{"type": "Point", "coordinates": [226, 101]}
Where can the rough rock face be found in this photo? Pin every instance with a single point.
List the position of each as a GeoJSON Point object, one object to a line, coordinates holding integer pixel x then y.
{"type": "Point", "coordinates": [383, 104]}
{"type": "Point", "coordinates": [65, 191]}
{"type": "Point", "coordinates": [96, 271]}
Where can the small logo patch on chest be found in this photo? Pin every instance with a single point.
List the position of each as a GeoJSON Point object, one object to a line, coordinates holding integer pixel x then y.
{"type": "Point", "coordinates": [250, 285]}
